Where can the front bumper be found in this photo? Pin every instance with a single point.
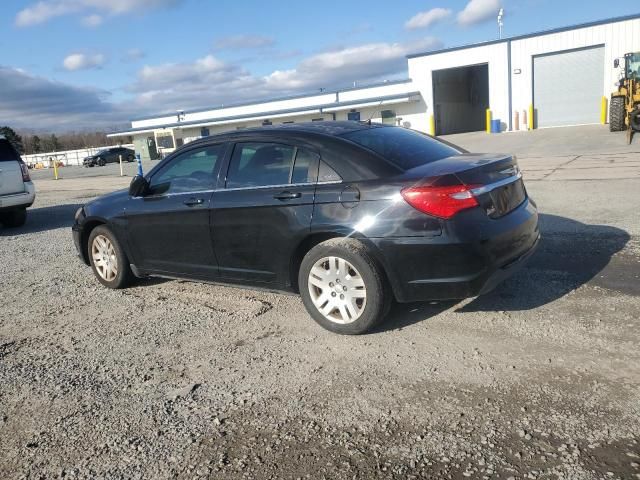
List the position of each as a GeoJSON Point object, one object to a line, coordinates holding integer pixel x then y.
{"type": "Point", "coordinates": [440, 268]}
{"type": "Point", "coordinates": [77, 230]}
{"type": "Point", "coordinates": [19, 200]}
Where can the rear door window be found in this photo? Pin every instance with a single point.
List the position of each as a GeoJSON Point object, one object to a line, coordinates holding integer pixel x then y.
{"type": "Point", "coordinates": [305, 169]}
{"type": "Point", "coordinates": [405, 148]}
{"type": "Point", "coordinates": [260, 164]}
{"type": "Point", "coordinates": [7, 152]}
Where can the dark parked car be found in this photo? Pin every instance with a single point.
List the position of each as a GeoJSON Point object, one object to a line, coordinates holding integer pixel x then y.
{"type": "Point", "coordinates": [110, 155]}
{"type": "Point", "coordinates": [349, 215]}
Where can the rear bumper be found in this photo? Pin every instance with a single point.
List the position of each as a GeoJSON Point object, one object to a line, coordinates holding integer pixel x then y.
{"type": "Point", "coordinates": [19, 200]}
{"type": "Point", "coordinates": [443, 268]}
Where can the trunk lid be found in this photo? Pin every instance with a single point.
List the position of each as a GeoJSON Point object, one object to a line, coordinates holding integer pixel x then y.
{"type": "Point", "coordinates": [495, 178]}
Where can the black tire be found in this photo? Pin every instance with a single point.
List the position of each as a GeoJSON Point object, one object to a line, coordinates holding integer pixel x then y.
{"type": "Point", "coordinates": [616, 115]}
{"type": "Point", "coordinates": [378, 295]}
{"type": "Point", "coordinates": [130, 158]}
{"type": "Point", "coordinates": [124, 276]}
{"type": "Point", "coordinates": [101, 162]}
{"type": "Point", "coordinates": [635, 120]}
{"type": "Point", "coordinates": [14, 218]}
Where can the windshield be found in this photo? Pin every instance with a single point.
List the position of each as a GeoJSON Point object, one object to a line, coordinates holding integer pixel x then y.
{"type": "Point", "coordinates": [405, 148]}
{"type": "Point", "coordinates": [633, 65]}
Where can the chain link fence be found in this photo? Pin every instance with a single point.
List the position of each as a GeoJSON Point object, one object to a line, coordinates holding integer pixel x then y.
{"type": "Point", "coordinates": [67, 157]}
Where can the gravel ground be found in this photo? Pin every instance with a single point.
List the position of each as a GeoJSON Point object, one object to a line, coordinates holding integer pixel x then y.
{"type": "Point", "coordinates": [170, 379]}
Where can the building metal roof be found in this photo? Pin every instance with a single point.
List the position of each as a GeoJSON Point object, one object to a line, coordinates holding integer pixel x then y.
{"type": "Point", "coordinates": [527, 35]}
{"type": "Point", "coordinates": [260, 115]}
{"type": "Point", "coordinates": [279, 99]}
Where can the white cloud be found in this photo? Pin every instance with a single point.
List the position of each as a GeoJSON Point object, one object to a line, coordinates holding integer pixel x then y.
{"type": "Point", "coordinates": [45, 10]}
{"type": "Point", "coordinates": [83, 61]}
{"type": "Point", "coordinates": [36, 102]}
{"type": "Point", "coordinates": [360, 63]}
{"type": "Point", "coordinates": [236, 42]}
{"type": "Point", "coordinates": [426, 19]}
{"type": "Point", "coordinates": [33, 102]}
{"type": "Point", "coordinates": [478, 11]}
{"type": "Point", "coordinates": [133, 54]}
{"type": "Point", "coordinates": [210, 81]}
{"type": "Point", "coordinates": [93, 20]}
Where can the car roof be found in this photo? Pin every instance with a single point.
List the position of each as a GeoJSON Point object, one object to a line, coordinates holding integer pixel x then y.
{"type": "Point", "coordinates": [325, 128]}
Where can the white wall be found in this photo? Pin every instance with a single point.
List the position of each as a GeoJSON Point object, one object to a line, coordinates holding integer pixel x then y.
{"type": "Point", "coordinates": [618, 39]}
{"type": "Point", "coordinates": [495, 55]}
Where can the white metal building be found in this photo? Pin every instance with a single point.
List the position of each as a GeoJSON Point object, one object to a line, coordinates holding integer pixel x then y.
{"type": "Point", "coordinates": [560, 75]}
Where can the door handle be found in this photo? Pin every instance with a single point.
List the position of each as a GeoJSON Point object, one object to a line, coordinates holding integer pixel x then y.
{"type": "Point", "coordinates": [192, 202]}
{"type": "Point", "coordinates": [287, 195]}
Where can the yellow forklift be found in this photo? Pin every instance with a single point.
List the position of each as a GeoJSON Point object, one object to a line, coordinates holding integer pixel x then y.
{"type": "Point", "coordinates": [624, 107]}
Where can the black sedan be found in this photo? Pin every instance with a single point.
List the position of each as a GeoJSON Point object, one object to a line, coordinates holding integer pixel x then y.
{"type": "Point", "coordinates": [350, 215]}
{"type": "Point", "coordinates": [110, 155]}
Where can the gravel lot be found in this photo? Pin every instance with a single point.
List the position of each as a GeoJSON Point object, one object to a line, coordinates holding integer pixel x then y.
{"type": "Point", "coordinates": [170, 379]}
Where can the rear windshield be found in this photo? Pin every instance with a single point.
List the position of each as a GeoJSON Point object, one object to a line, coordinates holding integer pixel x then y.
{"type": "Point", "coordinates": [405, 148]}
{"type": "Point", "coordinates": [7, 153]}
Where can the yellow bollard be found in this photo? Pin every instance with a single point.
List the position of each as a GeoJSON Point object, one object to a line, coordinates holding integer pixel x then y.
{"type": "Point", "coordinates": [531, 117]}
{"type": "Point", "coordinates": [432, 125]}
{"type": "Point", "coordinates": [603, 111]}
{"type": "Point", "coordinates": [55, 170]}
{"type": "Point", "coordinates": [488, 120]}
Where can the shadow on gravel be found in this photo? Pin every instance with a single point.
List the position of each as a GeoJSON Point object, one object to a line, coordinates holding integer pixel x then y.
{"type": "Point", "coordinates": [570, 255]}
{"type": "Point", "coordinates": [43, 219]}
{"type": "Point", "coordinates": [406, 314]}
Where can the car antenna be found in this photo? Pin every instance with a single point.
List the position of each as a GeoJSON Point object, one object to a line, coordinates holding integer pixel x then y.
{"type": "Point", "coordinates": [368, 122]}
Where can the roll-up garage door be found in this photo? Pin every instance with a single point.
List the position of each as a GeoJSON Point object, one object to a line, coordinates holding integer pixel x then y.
{"type": "Point", "coordinates": [567, 87]}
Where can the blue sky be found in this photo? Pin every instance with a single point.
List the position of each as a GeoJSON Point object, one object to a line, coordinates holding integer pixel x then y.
{"type": "Point", "coordinates": [73, 64]}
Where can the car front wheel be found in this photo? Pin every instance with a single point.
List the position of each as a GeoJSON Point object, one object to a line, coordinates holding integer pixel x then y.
{"type": "Point", "coordinates": [108, 261]}
{"type": "Point", "coordinates": [342, 287]}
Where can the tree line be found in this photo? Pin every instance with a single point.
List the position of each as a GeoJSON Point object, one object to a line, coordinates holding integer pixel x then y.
{"type": "Point", "coordinates": [30, 143]}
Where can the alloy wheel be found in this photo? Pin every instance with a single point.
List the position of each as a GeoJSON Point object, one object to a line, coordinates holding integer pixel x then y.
{"type": "Point", "coordinates": [104, 258]}
{"type": "Point", "coordinates": [337, 290]}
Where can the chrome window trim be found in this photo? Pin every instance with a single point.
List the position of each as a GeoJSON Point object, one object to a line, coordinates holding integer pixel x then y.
{"type": "Point", "coordinates": [500, 183]}
{"type": "Point", "coordinates": [176, 194]}
{"type": "Point", "coordinates": [286, 185]}
{"type": "Point", "coordinates": [261, 187]}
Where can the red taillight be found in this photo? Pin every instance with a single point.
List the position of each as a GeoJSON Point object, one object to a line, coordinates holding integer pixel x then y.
{"type": "Point", "coordinates": [443, 202]}
{"type": "Point", "coordinates": [25, 172]}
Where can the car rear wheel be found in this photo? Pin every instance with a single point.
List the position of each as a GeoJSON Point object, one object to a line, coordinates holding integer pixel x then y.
{"type": "Point", "coordinates": [101, 162]}
{"type": "Point", "coordinates": [130, 158]}
{"type": "Point", "coordinates": [14, 218]}
{"type": "Point", "coordinates": [342, 287]}
{"type": "Point", "coordinates": [108, 261]}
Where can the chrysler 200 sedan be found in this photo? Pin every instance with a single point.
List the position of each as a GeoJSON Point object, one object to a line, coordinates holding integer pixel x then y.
{"type": "Point", "coordinates": [350, 215]}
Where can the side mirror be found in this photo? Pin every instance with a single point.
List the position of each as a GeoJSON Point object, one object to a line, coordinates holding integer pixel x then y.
{"type": "Point", "coordinates": [138, 186]}
{"type": "Point", "coordinates": [616, 63]}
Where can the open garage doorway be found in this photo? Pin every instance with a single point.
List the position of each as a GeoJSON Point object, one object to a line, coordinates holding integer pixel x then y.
{"type": "Point", "coordinates": [461, 98]}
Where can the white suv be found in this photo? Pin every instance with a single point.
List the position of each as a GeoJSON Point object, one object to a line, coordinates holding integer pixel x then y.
{"type": "Point", "coordinates": [16, 188]}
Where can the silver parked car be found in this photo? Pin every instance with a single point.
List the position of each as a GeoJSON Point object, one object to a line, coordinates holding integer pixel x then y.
{"type": "Point", "coordinates": [17, 192]}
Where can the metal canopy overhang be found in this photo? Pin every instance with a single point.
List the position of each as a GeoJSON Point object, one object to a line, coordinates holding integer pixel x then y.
{"type": "Point", "coordinates": [319, 109]}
